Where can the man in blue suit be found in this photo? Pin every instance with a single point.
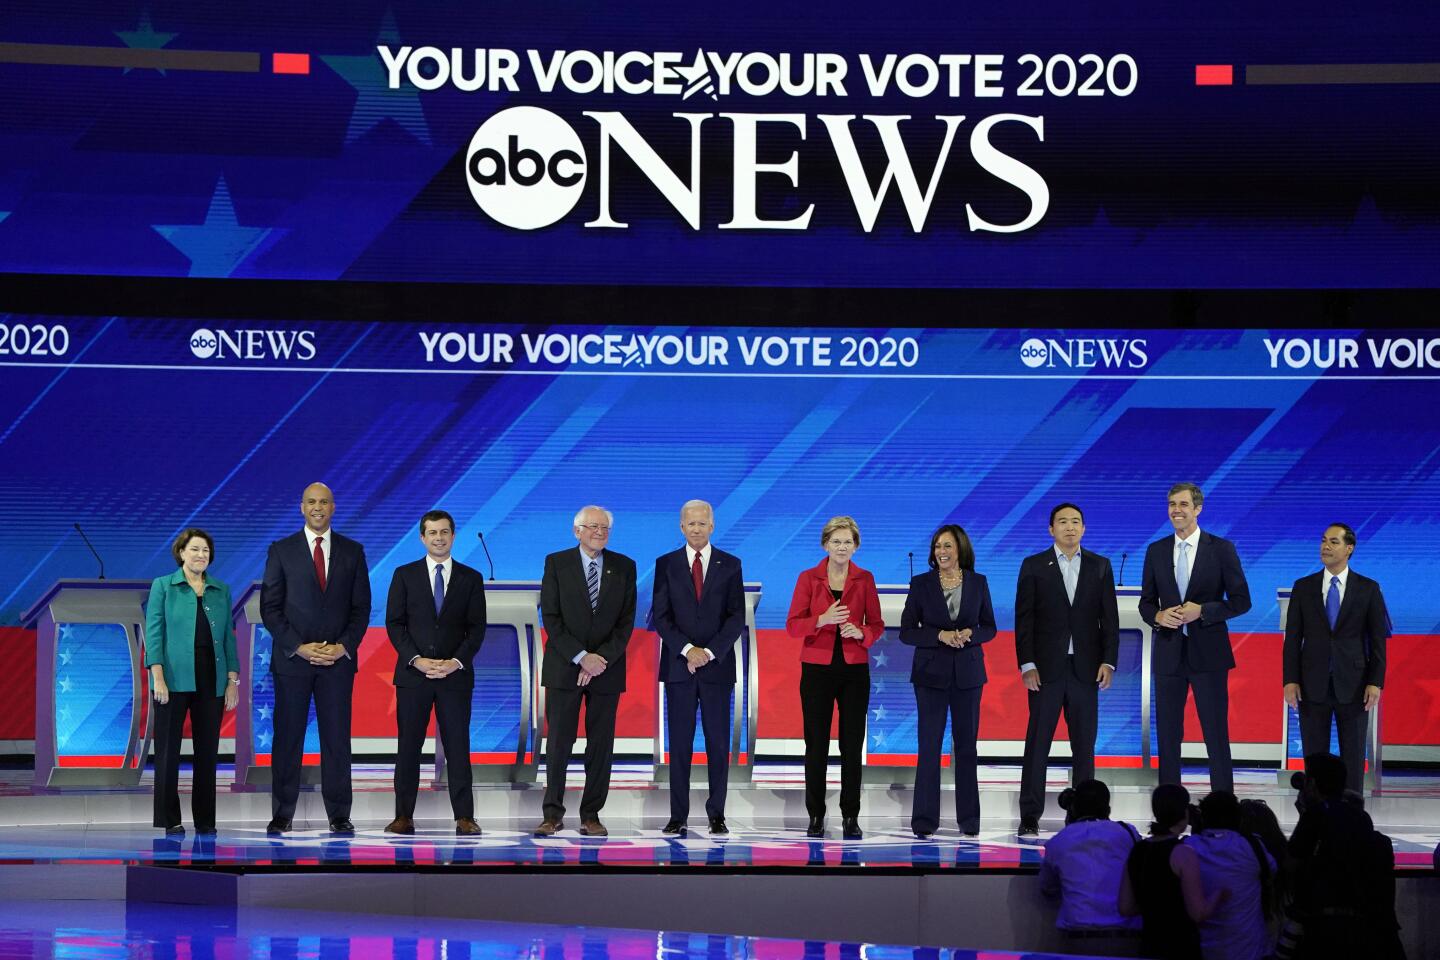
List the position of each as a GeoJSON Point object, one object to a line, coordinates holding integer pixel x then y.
{"type": "Point", "coordinates": [698, 609]}
{"type": "Point", "coordinates": [315, 601]}
{"type": "Point", "coordinates": [1192, 583]}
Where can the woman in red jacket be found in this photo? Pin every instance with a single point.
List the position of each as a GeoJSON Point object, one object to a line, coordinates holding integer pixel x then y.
{"type": "Point", "coordinates": [835, 611]}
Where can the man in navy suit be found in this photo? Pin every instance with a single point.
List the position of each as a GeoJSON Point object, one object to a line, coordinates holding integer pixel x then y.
{"type": "Point", "coordinates": [698, 609]}
{"type": "Point", "coordinates": [1067, 638]}
{"type": "Point", "coordinates": [1192, 583]}
{"type": "Point", "coordinates": [587, 602]}
{"type": "Point", "coordinates": [1335, 633]}
{"type": "Point", "coordinates": [435, 616]}
{"type": "Point", "coordinates": [315, 601]}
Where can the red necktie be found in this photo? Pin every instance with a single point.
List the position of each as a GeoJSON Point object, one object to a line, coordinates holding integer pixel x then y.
{"type": "Point", "coordinates": [697, 573]}
{"type": "Point", "coordinates": [320, 562]}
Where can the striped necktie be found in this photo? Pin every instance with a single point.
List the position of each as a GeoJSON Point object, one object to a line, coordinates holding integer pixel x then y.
{"type": "Point", "coordinates": [592, 583]}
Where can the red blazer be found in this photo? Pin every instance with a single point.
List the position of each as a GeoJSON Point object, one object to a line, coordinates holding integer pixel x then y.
{"type": "Point", "coordinates": [812, 598]}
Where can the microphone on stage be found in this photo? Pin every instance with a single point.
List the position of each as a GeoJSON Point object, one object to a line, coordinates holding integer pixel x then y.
{"type": "Point", "coordinates": [1123, 557]}
{"type": "Point", "coordinates": [487, 553]}
{"type": "Point", "coordinates": [92, 550]}
{"type": "Point", "coordinates": [911, 555]}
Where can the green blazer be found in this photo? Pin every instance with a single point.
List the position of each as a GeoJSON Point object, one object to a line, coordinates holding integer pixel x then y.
{"type": "Point", "coordinates": [170, 631]}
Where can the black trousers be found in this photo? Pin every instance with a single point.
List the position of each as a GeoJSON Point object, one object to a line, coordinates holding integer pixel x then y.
{"type": "Point", "coordinates": [451, 705]}
{"type": "Point", "coordinates": [205, 710]}
{"type": "Point", "coordinates": [961, 706]}
{"type": "Point", "coordinates": [562, 716]}
{"type": "Point", "coordinates": [1079, 698]}
{"type": "Point", "coordinates": [1350, 720]}
{"type": "Point", "coordinates": [713, 699]}
{"type": "Point", "coordinates": [1212, 703]}
{"type": "Point", "coordinates": [823, 687]}
{"type": "Point", "coordinates": [331, 688]}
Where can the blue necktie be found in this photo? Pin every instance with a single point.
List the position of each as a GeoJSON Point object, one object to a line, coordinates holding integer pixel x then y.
{"type": "Point", "coordinates": [439, 588]}
{"type": "Point", "coordinates": [1182, 570]}
{"type": "Point", "coordinates": [1332, 601]}
{"type": "Point", "coordinates": [592, 583]}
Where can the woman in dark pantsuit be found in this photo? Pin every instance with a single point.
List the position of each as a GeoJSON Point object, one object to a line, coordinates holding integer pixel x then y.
{"type": "Point", "coordinates": [835, 611]}
{"type": "Point", "coordinates": [189, 643]}
{"type": "Point", "coordinates": [947, 618]}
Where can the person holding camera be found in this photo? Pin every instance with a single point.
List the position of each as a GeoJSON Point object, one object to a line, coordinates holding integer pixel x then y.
{"type": "Point", "coordinates": [1161, 883]}
{"type": "Point", "coordinates": [1083, 865]}
{"type": "Point", "coordinates": [1239, 864]}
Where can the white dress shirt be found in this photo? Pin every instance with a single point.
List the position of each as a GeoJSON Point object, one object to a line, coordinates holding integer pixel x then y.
{"type": "Point", "coordinates": [1194, 541]}
{"type": "Point", "coordinates": [704, 554]}
{"type": "Point", "coordinates": [1341, 578]}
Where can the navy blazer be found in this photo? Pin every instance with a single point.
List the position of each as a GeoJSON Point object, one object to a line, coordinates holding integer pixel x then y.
{"type": "Point", "coordinates": [925, 615]}
{"type": "Point", "coordinates": [714, 622]}
{"type": "Point", "coordinates": [1046, 622]}
{"type": "Point", "coordinates": [1353, 653]}
{"type": "Point", "coordinates": [1217, 584]}
{"type": "Point", "coordinates": [295, 610]}
{"type": "Point", "coordinates": [416, 630]}
{"type": "Point", "coordinates": [572, 628]}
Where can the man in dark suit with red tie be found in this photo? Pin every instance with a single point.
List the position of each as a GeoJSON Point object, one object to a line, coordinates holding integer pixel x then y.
{"type": "Point", "coordinates": [1192, 583]}
{"type": "Point", "coordinates": [435, 616]}
{"type": "Point", "coordinates": [698, 609]}
{"type": "Point", "coordinates": [587, 603]}
{"type": "Point", "coordinates": [1334, 659]}
{"type": "Point", "coordinates": [315, 601]}
{"type": "Point", "coordinates": [1067, 639]}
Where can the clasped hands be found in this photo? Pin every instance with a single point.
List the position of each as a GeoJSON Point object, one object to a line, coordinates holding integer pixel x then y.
{"type": "Point", "coordinates": [955, 638]}
{"type": "Point", "coordinates": [435, 669]}
{"type": "Point", "coordinates": [591, 666]}
{"type": "Point", "coordinates": [1173, 618]}
{"type": "Point", "coordinates": [321, 654]}
{"type": "Point", "coordinates": [837, 614]}
{"type": "Point", "coordinates": [697, 657]}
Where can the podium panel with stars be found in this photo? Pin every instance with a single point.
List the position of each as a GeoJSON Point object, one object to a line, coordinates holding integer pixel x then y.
{"type": "Point", "coordinates": [91, 717]}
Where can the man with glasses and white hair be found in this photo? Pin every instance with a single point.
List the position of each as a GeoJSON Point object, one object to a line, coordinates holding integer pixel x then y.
{"type": "Point", "coordinates": [698, 609]}
{"type": "Point", "coordinates": [587, 600]}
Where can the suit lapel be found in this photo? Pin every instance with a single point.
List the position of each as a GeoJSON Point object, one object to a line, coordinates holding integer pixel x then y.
{"type": "Point", "coordinates": [1347, 602]}
{"type": "Point", "coordinates": [1057, 578]}
{"type": "Point", "coordinates": [456, 578]}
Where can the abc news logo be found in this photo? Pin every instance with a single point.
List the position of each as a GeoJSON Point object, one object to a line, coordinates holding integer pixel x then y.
{"type": "Point", "coordinates": [531, 186]}
{"type": "Point", "coordinates": [253, 344]}
{"type": "Point", "coordinates": [1084, 353]}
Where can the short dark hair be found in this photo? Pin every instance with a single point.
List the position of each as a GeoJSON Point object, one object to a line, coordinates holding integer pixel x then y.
{"type": "Point", "coordinates": [183, 541]}
{"type": "Point", "coordinates": [1067, 505]}
{"type": "Point", "coordinates": [1347, 533]}
{"type": "Point", "coordinates": [1088, 798]}
{"type": "Point", "coordinates": [1169, 803]}
{"type": "Point", "coordinates": [964, 552]}
{"type": "Point", "coordinates": [1196, 496]}
{"type": "Point", "coordinates": [1327, 772]}
{"type": "Point", "coordinates": [1220, 810]}
{"type": "Point", "coordinates": [432, 515]}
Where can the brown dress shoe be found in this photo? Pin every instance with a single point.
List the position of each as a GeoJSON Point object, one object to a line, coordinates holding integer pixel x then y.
{"type": "Point", "coordinates": [593, 828]}
{"type": "Point", "coordinates": [548, 827]}
{"type": "Point", "coordinates": [467, 827]}
{"type": "Point", "coordinates": [402, 825]}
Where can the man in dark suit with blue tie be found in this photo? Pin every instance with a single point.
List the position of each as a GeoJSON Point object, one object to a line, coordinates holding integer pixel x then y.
{"type": "Point", "coordinates": [435, 617]}
{"type": "Point", "coordinates": [1334, 659]}
{"type": "Point", "coordinates": [587, 602]}
{"type": "Point", "coordinates": [1192, 583]}
{"type": "Point", "coordinates": [315, 601]}
{"type": "Point", "coordinates": [1067, 639]}
{"type": "Point", "coordinates": [698, 609]}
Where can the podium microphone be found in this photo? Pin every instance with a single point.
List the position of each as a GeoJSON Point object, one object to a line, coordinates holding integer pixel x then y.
{"type": "Point", "coordinates": [1123, 557]}
{"type": "Point", "coordinates": [911, 555]}
{"type": "Point", "coordinates": [487, 553]}
{"type": "Point", "coordinates": [92, 550]}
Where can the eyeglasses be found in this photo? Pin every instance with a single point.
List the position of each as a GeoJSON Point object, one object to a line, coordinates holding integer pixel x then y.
{"type": "Point", "coordinates": [841, 543]}
{"type": "Point", "coordinates": [595, 527]}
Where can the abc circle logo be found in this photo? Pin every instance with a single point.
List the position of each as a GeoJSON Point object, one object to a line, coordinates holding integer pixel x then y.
{"type": "Point", "coordinates": [526, 167]}
{"type": "Point", "coordinates": [203, 343]}
{"type": "Point", "coordinates": [1033, 352]}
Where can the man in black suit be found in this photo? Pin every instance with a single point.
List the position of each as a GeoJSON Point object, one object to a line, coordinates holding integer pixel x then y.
{"type": "Point", "coordinates": [315, 601]}
{"type": "Point", "coordinates": [1192, 583]}
{"type": "Point", "coordinates": [698, 609]}
{"type": "Point", "coordinates": [1067, 638]}
{"type": "Point", "coordinates": [1335, 633]}
{"type": "Point", "coordinates": [587, 601]}
{"type": "Point", "coordinates": [435, 617]}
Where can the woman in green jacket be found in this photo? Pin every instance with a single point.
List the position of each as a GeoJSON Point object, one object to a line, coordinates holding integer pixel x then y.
{"type": "Point", "coordinates": [189, 642]}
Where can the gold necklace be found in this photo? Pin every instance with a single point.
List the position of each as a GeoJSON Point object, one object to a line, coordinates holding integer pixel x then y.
{"type": "Point", "coordinates": [948, 581]}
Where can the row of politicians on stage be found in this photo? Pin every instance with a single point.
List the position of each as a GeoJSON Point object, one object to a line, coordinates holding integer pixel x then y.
{"type": "Point", "coordinates": [315, 603]}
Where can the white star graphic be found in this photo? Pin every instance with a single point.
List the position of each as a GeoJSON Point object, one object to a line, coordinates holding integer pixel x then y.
{"type": "Point", "coordinates": [65, 657]}
{"type": "Point", "coordinates": [265, 657]}
{"type": "Point", "coordinates": [65, 685]}
{"type": "Point", "coordinates": [879, 740]}
{"type": "Point", "coordinates": [263, 684]}
{"type": "Point", "coordinates": [67, 632]}
{"type": "Point", "coordinates": [64, 714]}
{"type": "Point", "coordinates": [263, 738]}
{"type": "Point", "coordinates": [879, 713]}
{"type": "Point", "coordinates": [880, 659]}
{"type": "Point", "coordinates": [264, 712]}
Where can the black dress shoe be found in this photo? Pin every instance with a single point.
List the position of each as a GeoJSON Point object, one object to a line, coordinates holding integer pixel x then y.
{"type": "Point", "coordinates": [816, 827]}
{"type": "Point", "coordinates": [924, 834]}
{"type": "Point", "coordinates": [342, 826]}
{"type": "Point", "coordinates": [205, 831]}
{"type": "Point", "coordinates": [1029, 827]}
{"type": "Point", "coordinates": [176, 831]}
{"type": "Point", "coordinates": [676, 828]}
{"type": "Point", "coordinates": [277, 826]}
{"type": "Point", "coordinates": [850, 829]}
{"type": "Point", "coordinates": [717, 827]}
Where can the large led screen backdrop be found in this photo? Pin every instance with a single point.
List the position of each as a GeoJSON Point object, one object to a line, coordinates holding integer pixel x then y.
{"type": "Point", "coordinates": [137, 428]}
{"type": "Point", "coordinates": [853, 143]}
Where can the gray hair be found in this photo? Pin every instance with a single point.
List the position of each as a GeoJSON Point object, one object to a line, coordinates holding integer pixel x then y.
{"type": "Point", "coordinates": [697, 505]}
{"type": "Point", "coordinates": [580, 515]}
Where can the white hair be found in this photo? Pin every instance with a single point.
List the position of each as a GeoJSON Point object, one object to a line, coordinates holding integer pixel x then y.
{"type": "Point", "coordinates": [697, 505]}
{"type": "Point", "coordinates": [580, 516]}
